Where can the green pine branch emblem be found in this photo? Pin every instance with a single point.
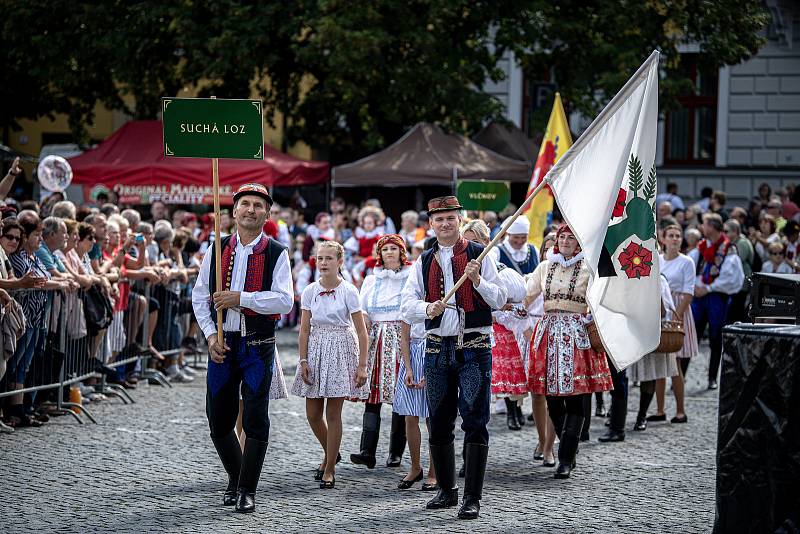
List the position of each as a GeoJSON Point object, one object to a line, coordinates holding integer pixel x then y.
{"type": "Point", "coordinates": [638, 214]}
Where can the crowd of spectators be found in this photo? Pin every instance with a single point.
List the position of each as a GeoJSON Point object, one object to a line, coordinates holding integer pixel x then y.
{"type": "Point", "coordinates": [84, 287]}
{"type": "Point", "coordinates": [58, 260]}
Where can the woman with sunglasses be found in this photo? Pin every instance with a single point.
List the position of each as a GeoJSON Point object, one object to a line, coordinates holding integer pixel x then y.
{"type": "Point", "coordinates": [24, 262]}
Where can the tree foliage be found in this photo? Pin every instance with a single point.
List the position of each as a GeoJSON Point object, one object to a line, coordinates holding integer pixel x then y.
{"type": "Point", "coordinates": [346, 76]}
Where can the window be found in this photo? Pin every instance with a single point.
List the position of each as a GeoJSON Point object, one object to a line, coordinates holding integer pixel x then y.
{"type": "Point", "coordinates": [691, 131]}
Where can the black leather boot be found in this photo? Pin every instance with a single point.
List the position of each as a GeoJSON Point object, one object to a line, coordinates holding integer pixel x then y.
{"type": "Point", "coordinates": [568, 447]}
{"type": "Point", "coordinates": [520, 417]}
{"type": "Point", "coordinates": [511, 414]}
{"type": "Point", "coordinates": [616, 427]}
{"type": "Point", "coordinates": [230, 452]}
{"type": "Point", "coordinates": [397, 440]}
{"type": "Point", "coordinates": [444, 461]}
{"type": "Point", "coordinates": [473, 483]}
{"type": "Point", "coordinates": [369, 440]}
{"type": "Point", "coordinates": [252, 461]}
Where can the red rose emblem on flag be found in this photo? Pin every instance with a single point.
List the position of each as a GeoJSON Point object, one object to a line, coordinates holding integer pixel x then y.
{"type": "Point", "coordinates": [636, 260]}
{"type": "Point", "coordinates": [619, 205]}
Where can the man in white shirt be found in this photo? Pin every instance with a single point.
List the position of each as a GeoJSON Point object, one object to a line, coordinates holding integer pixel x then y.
{"type": "Point", "coordinates": [719, 276]}
{"type": "Point", "coordinates": [458, 354]}
{"type": "Point", "coordinates": [257, 289]}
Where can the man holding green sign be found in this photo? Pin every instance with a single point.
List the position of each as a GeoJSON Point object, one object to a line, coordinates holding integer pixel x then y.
{"type": "Point", "coordinates": [245, 278]}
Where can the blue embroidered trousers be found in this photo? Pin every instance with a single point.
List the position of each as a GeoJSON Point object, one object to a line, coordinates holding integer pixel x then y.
{"type": "Point", "coordinates": [247, 368]}
{"type": "Point", "coordinates": [458, 381]}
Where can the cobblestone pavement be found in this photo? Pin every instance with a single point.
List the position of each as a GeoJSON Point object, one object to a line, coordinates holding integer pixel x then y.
{"type": "Point", "coordinates": [150, 467]}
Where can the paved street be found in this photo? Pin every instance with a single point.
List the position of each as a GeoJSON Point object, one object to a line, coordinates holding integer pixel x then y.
{"type": "Point", "coordinates": [150, 467]}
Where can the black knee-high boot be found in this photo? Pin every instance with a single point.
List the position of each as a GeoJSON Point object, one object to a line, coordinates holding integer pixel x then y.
{"type": "Point", "coordinates": [397, 440]}
{"type": "Point", "coordinates": [444, 462]}
{"type": "Point", "coordinates": [477, 454]}
{"type": "Point", "coordinates": [568, 448]}
{"type": "Point", "coordinates": [230, 452]}
{"type": "Point", "coordinates": [511, 414]}
{"type": "Point", "coordinates": [252, 462]}
{"type": "Point", "coordinates": [647, 390]}
{"type": "Point", "coordinates": [369, 440]}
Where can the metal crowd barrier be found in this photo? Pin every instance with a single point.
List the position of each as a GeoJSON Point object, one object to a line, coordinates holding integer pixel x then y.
{"type": "Point", "coordinates": [68, 353]}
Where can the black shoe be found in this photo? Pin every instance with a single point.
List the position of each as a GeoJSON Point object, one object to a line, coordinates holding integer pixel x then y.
{"type": "Point", "coordinates": [615, 423]}
{"type": "Point", "coordinates": [538, 454]}
{"type": "Point", "coordinates": [473, 483]}
{"type": "Point", "coordinates": [369, 440]}
{"type": "Point", "coordinates": [511, 414]}
{"type": "Point", "coordinates": [520, 417]}
{"type": "Point", "coordinates": [252, 462]}
{"type": "Point", "coordinates": [679, 420]}
{"type": "Point", "coordinates": [530, 417]}
{"type": "Point", "coordinates": [657, 418]}
{"type": "Point", "coordinates": [397, 440]}
{"type": "Point", "coordinates": [245, 501]}
{"type": "Point", "coordinates": [600, 411]}
{"type": "Point", "coordinates": [641, 424]}
{"type": "Point", "coordinates": [230, 452]}
{"type": "Point", "coordinates": [712, 384]}
{"type": "Point", "coordinates": [319, 472]}
{"type": "Point", "coordinates": [327, 484]}
{"type": "Point", "coordinates": [405, 484]}
{"type": "Point", "coordinates": [429, 487]}
{"type": "Point", "coordinates": [612, 436]}
{"type": "Point", "coordinates": [551, 463]}
{"type": "Point", "coordinates": [444, 462]}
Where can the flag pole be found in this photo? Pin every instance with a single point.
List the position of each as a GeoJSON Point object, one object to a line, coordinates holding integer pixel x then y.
{"type": "Point", "coordinates": [217, 243]}
{"type": "Point", "coordinates": [508, 222]}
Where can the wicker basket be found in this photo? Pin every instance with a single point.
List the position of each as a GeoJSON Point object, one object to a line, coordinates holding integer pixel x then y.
{"type": "Point", "coordinates": [671, 337]}
{"type": "Point", "coordinates": [594, 338]}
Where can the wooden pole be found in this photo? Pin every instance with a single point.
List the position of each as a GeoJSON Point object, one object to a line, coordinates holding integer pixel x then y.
{"type": "Point", "coordinates": [508, 222]}
{"type": "Point", "coordinates": [217, 243]}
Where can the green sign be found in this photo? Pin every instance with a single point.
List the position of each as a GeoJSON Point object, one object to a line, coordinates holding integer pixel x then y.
{"type": "Point", "coordinates": [213, 128]}
{"type": "Point", "coordinates": [483, 195]}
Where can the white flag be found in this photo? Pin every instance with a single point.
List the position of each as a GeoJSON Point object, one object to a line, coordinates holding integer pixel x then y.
{"type": "Point", "coordinates": [605, 187]}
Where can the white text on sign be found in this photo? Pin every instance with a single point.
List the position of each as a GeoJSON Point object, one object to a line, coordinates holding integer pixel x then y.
{"type": "Point", "coordinates": [212, 128]}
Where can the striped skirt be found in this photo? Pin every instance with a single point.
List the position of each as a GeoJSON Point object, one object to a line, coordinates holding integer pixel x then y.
{"type": "Point", "coordinates": [409, 401]}
{"type": "Point", "coordinates": [690, 347]}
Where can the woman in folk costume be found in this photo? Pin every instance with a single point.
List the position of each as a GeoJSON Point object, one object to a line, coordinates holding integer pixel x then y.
{"type": "Point", "coordinates": [411, 402]}
{"type": "Point", "coordinates": [509, 380]}
{"type": "Point", "coordinates": [563, 366]}
{"type": "Point", "coordinates": [380, 300]}
{"type": "Point", "coordinates": [679, 271]}
{"type": "Point", "coordinates": [544, 426]}
{"type": "Point", "coordinates": [333, 355]}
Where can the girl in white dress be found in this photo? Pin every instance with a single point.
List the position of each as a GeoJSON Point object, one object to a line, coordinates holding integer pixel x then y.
{"type": "Point", "coordinates": [333, 354]}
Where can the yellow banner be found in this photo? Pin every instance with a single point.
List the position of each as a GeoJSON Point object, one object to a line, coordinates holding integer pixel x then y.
{"type": "Point", "coordinates": [557, 139]}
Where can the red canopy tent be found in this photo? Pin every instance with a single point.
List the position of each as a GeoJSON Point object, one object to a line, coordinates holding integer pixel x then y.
{"type": "Point", "coordinates": [131, 163]}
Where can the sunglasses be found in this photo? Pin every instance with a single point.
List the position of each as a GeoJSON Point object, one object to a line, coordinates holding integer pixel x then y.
{"type": "Point", "coordinates": [13, 237]}
{"type": "Point", "coordinates": [776, 253]}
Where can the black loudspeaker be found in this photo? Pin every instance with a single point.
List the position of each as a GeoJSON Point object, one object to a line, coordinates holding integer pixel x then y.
{"type": "Point", "coordinates": [775, 297]}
